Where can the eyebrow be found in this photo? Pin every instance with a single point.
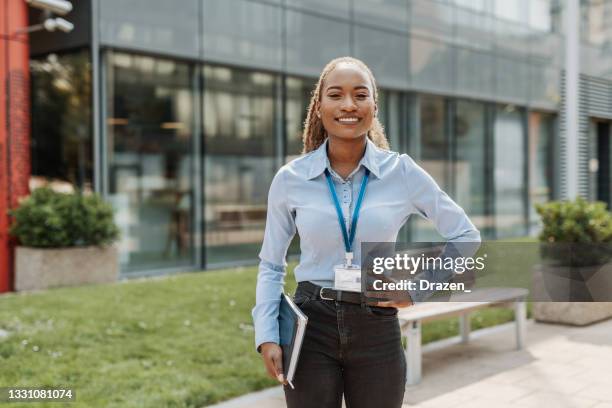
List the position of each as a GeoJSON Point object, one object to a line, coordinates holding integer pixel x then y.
{"type": "Point", "coordinates": [340, 88]}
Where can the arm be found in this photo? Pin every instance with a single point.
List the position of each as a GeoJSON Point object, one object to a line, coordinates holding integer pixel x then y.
{"type": "Point", "coordinates": [280, 229]}
{"type": "Point", "coordinates": [449, 219]}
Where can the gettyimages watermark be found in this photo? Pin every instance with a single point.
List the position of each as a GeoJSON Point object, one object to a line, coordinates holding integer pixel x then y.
{"type": "Point", "coordinates": [471, 271]}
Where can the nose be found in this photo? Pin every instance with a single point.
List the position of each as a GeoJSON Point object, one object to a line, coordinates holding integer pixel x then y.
{"type": "Point", "coordinates": [348, 104]}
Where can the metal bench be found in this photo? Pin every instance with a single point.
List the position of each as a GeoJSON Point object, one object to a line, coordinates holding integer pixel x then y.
{"type": "Point", "coordinates": [461, 305]}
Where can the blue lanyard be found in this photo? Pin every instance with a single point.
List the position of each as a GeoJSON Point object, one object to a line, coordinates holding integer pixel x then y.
{"type": "Point", "coordinates": [348, 240]}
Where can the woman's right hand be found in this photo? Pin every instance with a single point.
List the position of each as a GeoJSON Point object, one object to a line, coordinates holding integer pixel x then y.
{"type": "Point", "coordinates": [272, 355]}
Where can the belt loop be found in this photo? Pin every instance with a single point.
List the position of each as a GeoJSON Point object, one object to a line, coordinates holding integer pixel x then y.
{"type": "Point", "coordinates": [314, 294]}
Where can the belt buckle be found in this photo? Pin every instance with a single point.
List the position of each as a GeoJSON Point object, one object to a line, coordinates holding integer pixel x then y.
{"type": "Point", "coordinates": [321, 293]}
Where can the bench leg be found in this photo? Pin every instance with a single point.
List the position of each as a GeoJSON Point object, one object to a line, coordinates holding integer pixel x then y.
{"type": "Point", "coordinates": [464, 327]}
{"type": "Point", "coordinates": [413, 353]}
{"type": "Point", "coordinates": [520, 317]}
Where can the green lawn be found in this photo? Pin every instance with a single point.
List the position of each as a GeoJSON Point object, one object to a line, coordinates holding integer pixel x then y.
{"type": "Point", "coordinates": [178, 341]}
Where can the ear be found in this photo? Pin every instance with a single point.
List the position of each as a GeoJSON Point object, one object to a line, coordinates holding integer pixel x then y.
{"type": "Point", "coordinates": [316, 108]}
{"type": "Point", "coordinates": [375, 109]}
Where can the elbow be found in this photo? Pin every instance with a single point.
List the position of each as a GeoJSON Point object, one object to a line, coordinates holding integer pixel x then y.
{"type": "Point", "coordinates": [467, 235]}
{"type": "Point", "coordinates": [474, 235]}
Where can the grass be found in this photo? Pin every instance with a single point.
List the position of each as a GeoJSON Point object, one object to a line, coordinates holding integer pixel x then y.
{"type": "Point", "coordinates": [177, 341]}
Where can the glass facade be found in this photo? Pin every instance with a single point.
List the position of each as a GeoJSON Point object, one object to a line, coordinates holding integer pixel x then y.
{"type": "Point", "coordinates": [470, 162]}
{"type": "Point", "coordinates": [62, 141]}
{"type": "Point", "coordinates": [509, 171]}
{"type": "Point", "coordinates": [149, 138]}
{"type": "Point", "coordinates": [299, 91]}
{"type": "Point", "coordinates": [433, 155]}
{"type": "Point", "coordinates": [153, 107]}
{"type": "Point", "coordinates": [541, 161]}
{"type": "Point", "coordinates": [198, 113]}
{"type": "Point", "coordinates": [239, 113]}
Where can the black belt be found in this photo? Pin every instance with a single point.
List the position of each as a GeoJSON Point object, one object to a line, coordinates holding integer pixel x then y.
{"type": "Point", "coordinates": [327, 293]}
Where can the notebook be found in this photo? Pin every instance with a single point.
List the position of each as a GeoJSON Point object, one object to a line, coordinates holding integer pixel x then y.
{"type": "Point", "coordinates": [292, 325]}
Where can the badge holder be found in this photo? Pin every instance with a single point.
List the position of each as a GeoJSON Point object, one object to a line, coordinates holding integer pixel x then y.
{"type": "Point", "coordinates": [347, 276]}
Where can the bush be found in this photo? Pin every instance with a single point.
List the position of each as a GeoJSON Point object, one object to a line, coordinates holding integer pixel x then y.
{"type": "Point", "coordinates": [576, 233]}
{"type": "Point", "coordinates": [575, 221]}
{"type": "Point", "coordinates": [49, 219]}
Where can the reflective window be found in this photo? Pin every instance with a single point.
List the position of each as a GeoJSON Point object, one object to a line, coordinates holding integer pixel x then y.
{"type": "Point", "coordinates": [469, 166]}
{"type": "Point", "coordinates": [298, 97]}
{"type": "Point", "coordinates": [431, 64]}
{"type": "Point", "coordinates": [312, 41]}
{"type": "Point", "coordinates": [239, 113]}
{"type": "Point", "coordinates": [595, 21]}
{"type": "Point", "coordinates": [389, 105]}
{"type": "Point", "coordinates": [478, 5]}
{"type": "Point", "coordinates": [433, 155]}
{"type": "Point", "coordinates": [241, 32]}
{"type": "Point", "coordinates": [434, 146]}
{"type": "Point", "coordinates": [149, 133]}
{"type": "Point", "coordinates": [540, 15]}
{"type": "Point", "coordinates": [541, 134]}
{"type": "Point", "coordinates": [509, 173]}
{"type": "Point", "coordinates": [384, 13]}
{"type": "Point", "coordinates": [61, 146]}
{"type": "Point", "coordinates": [513, 10]}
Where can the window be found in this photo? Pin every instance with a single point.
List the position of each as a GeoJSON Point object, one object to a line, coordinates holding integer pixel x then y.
{"type": "Point", "coordinates": [62, 147]}
{"type": "Point", "coordinates": [540, 15]}
{"type": "Point", "coordinates": [541, 134]}
{"type": "Point", "coordinates": [239, 116]}
{"type": "Point", "coordinates": [469, 165]}
{"type": "Point", "coordinates": [509, 173]}
{"type": "Point", "coordinates": [298, 98]}
{"type": "Point", "coordinates": [433, 155]}
{"type": "Point", "coordinates": [149, 130]}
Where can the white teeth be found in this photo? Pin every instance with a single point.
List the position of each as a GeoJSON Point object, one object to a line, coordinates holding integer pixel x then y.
{"type": "Point", "coordinates": [348, 119]}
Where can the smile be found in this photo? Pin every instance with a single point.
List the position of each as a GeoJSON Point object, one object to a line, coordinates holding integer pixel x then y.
{"type": "Point", "coordinates": [348, 120]}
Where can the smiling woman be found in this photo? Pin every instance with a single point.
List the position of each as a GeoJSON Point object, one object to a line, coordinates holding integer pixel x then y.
{"type": "Point", "coordinates": [347, 188]}
{"type": "Point", "coordinates": [358, 88]}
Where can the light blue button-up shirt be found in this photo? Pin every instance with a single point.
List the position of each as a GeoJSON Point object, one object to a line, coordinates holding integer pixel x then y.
{"type": "Point", "coordinates": [299, 200]}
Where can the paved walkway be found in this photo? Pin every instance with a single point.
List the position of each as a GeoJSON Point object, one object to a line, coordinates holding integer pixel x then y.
{"type": "Point", "coordinates": [561, 367]}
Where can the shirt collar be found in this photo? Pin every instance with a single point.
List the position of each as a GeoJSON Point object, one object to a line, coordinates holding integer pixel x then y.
{"type": "Point", "coordinates": [321, 161]}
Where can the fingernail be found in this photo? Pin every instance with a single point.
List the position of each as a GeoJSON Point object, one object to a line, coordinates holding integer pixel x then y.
{"type": "Point", "coordinates": [280, 378]}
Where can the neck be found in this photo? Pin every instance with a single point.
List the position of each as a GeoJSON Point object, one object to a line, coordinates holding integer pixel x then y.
{"type": "Point", "coordinates": [345, 152]}
{"type": "Point", "coordinates": [344, 155]}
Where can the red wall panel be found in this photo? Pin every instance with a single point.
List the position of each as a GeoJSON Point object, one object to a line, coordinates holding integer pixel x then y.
{"type": "Point", "coordinates": [15, 123]}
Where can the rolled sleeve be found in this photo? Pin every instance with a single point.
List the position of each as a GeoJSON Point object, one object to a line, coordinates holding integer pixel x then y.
{"type": "Point", "coordinates": [280, 229]}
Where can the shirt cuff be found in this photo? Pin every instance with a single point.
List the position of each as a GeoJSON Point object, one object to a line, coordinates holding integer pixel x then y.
{"type": "Point", "coordinates": [265, 336]}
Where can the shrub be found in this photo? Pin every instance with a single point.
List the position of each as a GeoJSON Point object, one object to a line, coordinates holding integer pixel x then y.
{"type": "Point", "coordinates": [576, 233]}
{"type": "Point", "coordinates": [49, 219]}
{"type": "Point", "coordinates": [575, 221]}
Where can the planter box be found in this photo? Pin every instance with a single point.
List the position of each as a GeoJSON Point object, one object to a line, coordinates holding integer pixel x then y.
{"type": "Point", "coordinates": [569, 290]}
{"type": "Point", "coordinates": [41, 268]}
{"type": "Point", "coordinates": [574, 313]}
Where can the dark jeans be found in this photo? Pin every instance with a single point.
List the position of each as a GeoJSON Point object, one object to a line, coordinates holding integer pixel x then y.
{"type": "Point", "coordinates": [351, 349]}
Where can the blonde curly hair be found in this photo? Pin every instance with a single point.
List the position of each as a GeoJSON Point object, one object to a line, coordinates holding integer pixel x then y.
{"type": "Point", "coordinates": [314, 133]}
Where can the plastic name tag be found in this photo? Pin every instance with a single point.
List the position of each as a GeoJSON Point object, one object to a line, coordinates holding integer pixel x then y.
{"type": "Point", "coordinates": [347, 277]}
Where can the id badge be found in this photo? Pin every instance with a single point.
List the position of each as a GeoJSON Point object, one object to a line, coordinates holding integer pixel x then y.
{"type": "Point", "coordinates": [347, 277]}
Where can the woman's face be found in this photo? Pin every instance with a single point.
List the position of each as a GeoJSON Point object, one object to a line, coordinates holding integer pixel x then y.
{"type": "Point", "coordinates": [347, 105]}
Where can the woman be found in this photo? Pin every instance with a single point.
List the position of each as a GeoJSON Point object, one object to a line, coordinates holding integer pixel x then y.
{"type": "Point", "coordinates": [351, 347]}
